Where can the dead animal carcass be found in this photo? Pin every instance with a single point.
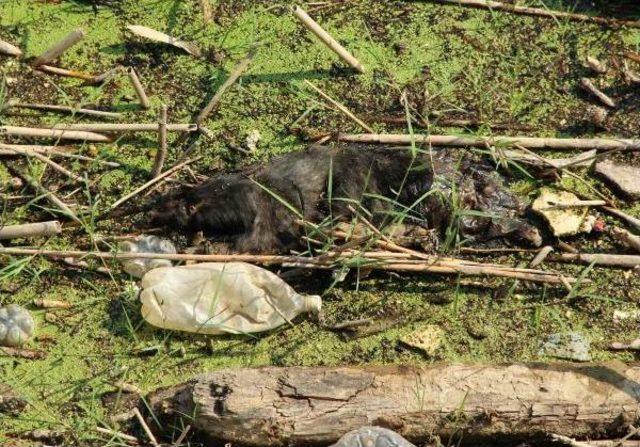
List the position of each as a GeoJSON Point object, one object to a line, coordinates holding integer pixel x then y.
{"type": "Point", "coordinates": [262, 209]}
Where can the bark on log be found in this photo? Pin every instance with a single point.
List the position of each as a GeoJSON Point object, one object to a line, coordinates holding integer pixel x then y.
{"type": "Point", "coordinates": [306, 406]}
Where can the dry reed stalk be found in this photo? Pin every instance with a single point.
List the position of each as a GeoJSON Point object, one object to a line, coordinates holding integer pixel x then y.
{"type": "Point", "coordinates": [137, 86]}
{"type": "Point", "coordinates": [124, 436]}
{"type": "Point", "coordinates": [59, 47]}
{"type": "Point", "coordinates": [427, 266]}
{"type": "Point", "coordinates": [66, 73]}
{"type": "Point", "coordinates": [525, 10]}
{"type": "Point", "coordinates": [125, 127]}
{"type": "Point", "coordinates": [340, 107]}
{"type": "Point", "coordinates": [9, 149]}
{"type": "Point", "coordinates": [10, 50]}
{"type": "Point", "coordinates": [626, 238]}
{"type": "Point", "coordinates": [576, 204]}
{"type": "Point", "coordinates": [146, 428]}
{"type": "Point", "coordinates": [55, 166]}
{"type": "Point", "coordinates": [630, 220]}
{"type": "Point", "coordinates": [48, 228]}
{"type": "Point", "coordinates": [52, 133]}
{"type": "Point", "coordinates": [595, 65]}
{"type": "Point", "coordinates": [483, 142]}
{"type": "Point", "coordinates": [152, 182]}
{"type": "Point", "coordinates": [162, 143]}
{"type": "Point", "coordinates": [63, 109]}
{"type": "Point", "coordinates": [326, 38]}
{"type": "Point", "coordinates": [589, 87]}
{"type": "Point", "coordinates": [242, 66]}
{"type": "Point", "coordinates": [50, 196]}
{"type": "Point", "coordinates": [606, 259]}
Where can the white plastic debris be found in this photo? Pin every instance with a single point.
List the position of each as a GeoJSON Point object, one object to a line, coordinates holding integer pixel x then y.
{"type": "Point", "coordinates": [372, 437]}
{"type": "Point", "coordinates": [217, 298]}
{"type": "Point", "coordinates": [251, 142]}
{"type": "Point", "coordinates": [146, 244]}
{"type": "Point", "coordinates": [16, 325]}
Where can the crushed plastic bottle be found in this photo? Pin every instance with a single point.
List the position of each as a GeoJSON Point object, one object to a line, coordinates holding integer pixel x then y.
{"type": "Point", "coordinates": [16, 325]}
{"type": "Point", "coordinates": [217, 298]}
{"type": "Point", "coordinates": [372, 437]}
{"type": "Point", "coordinates": [146, 244]}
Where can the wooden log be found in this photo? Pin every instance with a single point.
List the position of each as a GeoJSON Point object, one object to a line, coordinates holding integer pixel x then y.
{"type": "Point", "coordinates": [482, 142]}
{"type": "Point", "coordinates": [326, 38]}
{"type": "Point", "coordinates": [308, 406]}
{"type": "Point", "coordinates": [48, 228]}
{"type": "Point", "coordinates": [60, 47]}
{"type": "Point", "coordinates": [61, 134]}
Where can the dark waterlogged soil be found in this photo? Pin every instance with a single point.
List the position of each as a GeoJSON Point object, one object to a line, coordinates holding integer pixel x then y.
{"type": "Point", "coordinates": [463, 63]}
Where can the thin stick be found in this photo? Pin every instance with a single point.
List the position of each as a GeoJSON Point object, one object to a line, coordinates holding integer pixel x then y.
{"type": "Point", "coordinates": [326, 38]}
{"type": "Point", "coordinates": [51, 163]}
{"type": "Point", "coordinates": [207, 13]}
{"type": "Point", "coordinates": [126, 437]}
{"type": "Point", "coordinates": [183, 435]}
{"type": "Point", "coordinates": [63, 109]}
{"type": "Point", "coordinates": [52, 151]}
{"type": "Point", "coordinates": [482, 142]}
{"type": "Point", "coordinates": [67, 73]}
{"type": "Point", "coordinates": [439, 120]}
{"type": "Point", "coordinates": [233, 77]}
{"type": "Point", "coordinates": [11, 50]}
{"type": "Point", "coordinates": [427, 266]}
{"type": "Point", "coordinates": [53, 134]}
{"type": "Point", "coordinates": [516, 9]}
{"type": "Point", "coordinates": [146, 428]}
{"type": "Point", "coordinates": [152, 182]}
{"type": "Point", "coordinates": [162, 142]}
{"type": "Point", "coordinates": [50, 196]}
{"type": "Point", "coordinates": [60, 47]}
{"type": "Point", "coordinates": [125, 127]}
{"type": "Point", "coordinates": [611, 260]}
{"type": "Point", "coordinates": [588, 86]}
{"type": "Point", "coordinates": [633, 221]}
{"type": "Point", "coordinates": [340, 107]}
{"type": "Point", "coordinates": [48, 228]}
{"type": "Point", "coordinates": [137, 85]}
{"type": "Point", "coordinates": [626, 238]}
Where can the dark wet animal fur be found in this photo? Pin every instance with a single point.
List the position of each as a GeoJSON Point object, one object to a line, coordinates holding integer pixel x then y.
{"type": "Point", "coordinates": [249, 208]}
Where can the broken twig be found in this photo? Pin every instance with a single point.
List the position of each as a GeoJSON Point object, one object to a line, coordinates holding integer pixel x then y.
{"type": "Point", "coordinates": [588, 86]}
{"type": "Point", "coordinates": [326, 38]}
{"type": "Point", "coordinates": [611, 260]}
{"type": "Point", "coordinates": [67, 73]}
{"type": "Point", "coordinates": [162, 143]}
{"type": "Point", "coordinates": [233, 77]}
{"type": "Point", "coordinates": [60, 47]}
{"type": "Point", "coordinates": [340, 107]}
{"type": "Point", "coordinates": [137, 86]}
{"type": "Point", "coordinates": [146, 428]}
{"type": "Point", "coordinates": [125, 127]}
{"type": "Point", "coordinates": [150, 33]}
{"type": "Point", "coordinates": [152, 182]}
{"type": "Point", "coordinates": [207, 13]}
